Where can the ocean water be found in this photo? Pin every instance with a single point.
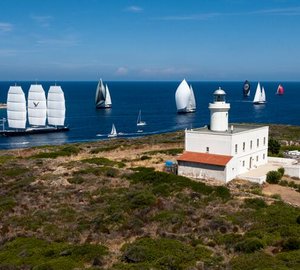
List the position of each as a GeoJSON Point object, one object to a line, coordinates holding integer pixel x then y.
{"type": "Point", "coordinates": [157, 102]}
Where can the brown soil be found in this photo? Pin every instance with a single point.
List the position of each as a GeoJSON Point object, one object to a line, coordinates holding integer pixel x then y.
{"type": "Point", "coordinates": [287, 194]}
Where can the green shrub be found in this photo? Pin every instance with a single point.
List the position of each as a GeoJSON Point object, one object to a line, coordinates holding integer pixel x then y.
{"type": "Point", "coordinates": [174, 182]}
{"type": "Point", "coordinates": [163, 254]}
{"type": "Point", "coordinates": [291, 244]}
{"type": "Point", "coordinates": [273, 146]}
{"type": "Point", "coordinates": [273, 177]}
{"type": "Point", "coordinates": [298, 219]}
{"type": "Point", "coordinates": [281, 171]}
{"type": "Point", "coordinates": [6, 203]}
{"type": "Point", "coordinates": [290, 258]}
{"type": "Point", "coordinates": [256, 260]}
{"type": "Point", "coordinates": [141, 199]}
{"type": "Point", "coordinates": [111, 172]}
{"type": "Point", "coordinates": [172, 151]}
{"type": "Point", "coordinates": [222, 192]}
{"type": "Point", "coordinates": [16, 171]}
{"type": "Point", "coordinates": [249, 245]}
{"type": "Point", "coordinates": [255, 203]}
{"type": "Point", "coordinates": [104, 149]}
{"type": "Point", "coordinates": [104, 161]}
{"type": "Point", "coordinates": [63, 152]}
{"type": "Point", "coordinates": [40, 255]}
{"type": "Point", "coordinates": [5, 158]}
{"type": "Point", "coordinates": [76, 179]}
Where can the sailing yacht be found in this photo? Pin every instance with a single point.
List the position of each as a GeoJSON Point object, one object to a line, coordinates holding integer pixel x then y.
{"type": "Point", "coordinates": [139, 121]}
{"type": "Point", "coordinates": [246, 89]}
{"type": "Point", "coordinates": [102, 99]}
{"type": "Point", "coordinates": [37, 108]}
{"type": "Point", "coordinates": [185, 98]}
{"type": "Point", "coordinates": [113, 132]}
{"type": "Point", "coordinates": [280, 90]}
{"type": "Point", "coordinates": [260, 95]}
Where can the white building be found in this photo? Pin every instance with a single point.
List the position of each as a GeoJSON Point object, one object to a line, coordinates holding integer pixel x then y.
{"type": "Point", "coordinates": [221, 152]}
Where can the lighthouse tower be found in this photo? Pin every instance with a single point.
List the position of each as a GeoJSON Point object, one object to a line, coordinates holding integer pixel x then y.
{"type": "Point", "coordinates": [219, 111]}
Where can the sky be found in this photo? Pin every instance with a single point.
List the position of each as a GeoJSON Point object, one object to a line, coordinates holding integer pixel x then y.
{"type": "Point", "coordinates": [150, 40]}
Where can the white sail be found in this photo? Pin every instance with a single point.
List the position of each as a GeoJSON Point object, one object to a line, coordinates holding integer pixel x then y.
{"type": "Point", "coordinates": [113, 132]}
{"type": "Point", "coordinates": [102, 99]}
{"type": "Point", "coordinates": [139, 121]}
{"type": "Point", "coordinates": [100, 94]}
{"type": "Point", "coordinates": [263, 95]}
{"type": "Point", "coordinates": [182, 96]}
{"type": "Point", "coordinates": [257, 96]}
{"type": "Point", "coordinates": [37, 107]}
{"type": "Point", "coordinates": [56, 106]}
{"type": "Point", "coordinates": [192, 101]}
{"type": "Point", "coordinates": [16, 107]}
{"type": "Point", "coordinates": [107, 97]}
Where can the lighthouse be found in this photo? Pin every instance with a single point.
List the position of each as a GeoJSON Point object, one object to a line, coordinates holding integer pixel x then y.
{"type": "Point", "coordinates": [215, 152]}
{"type": "Point", "coordinates": [219, 112]}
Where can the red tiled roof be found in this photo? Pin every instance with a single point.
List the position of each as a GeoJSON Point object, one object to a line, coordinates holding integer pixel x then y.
{"type": "Point", "coordinates": [205, 158]}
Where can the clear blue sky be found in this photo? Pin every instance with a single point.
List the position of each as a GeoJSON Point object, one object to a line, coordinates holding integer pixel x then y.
{"type": "Point", "coordinates": [150, 39]}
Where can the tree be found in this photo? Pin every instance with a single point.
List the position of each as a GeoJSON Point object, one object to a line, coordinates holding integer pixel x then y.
{"type": "Point", "coordinates": [274, 146]}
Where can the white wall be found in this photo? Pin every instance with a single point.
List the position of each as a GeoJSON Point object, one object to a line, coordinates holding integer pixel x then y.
{"type": "Point", "coordinates": [198, 142]}
{"type": "Point", "coordinates": [224, 143]}
{"type": "Point", "coordinates": [261, 133]}
{"type": "Point", "coordinates": [201, 171]}
{"type": "Point", "coordinates": [292, 170]}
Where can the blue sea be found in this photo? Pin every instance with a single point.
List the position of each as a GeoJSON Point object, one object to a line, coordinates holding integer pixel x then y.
{"type": "Point", "coordinates": [157, 102]}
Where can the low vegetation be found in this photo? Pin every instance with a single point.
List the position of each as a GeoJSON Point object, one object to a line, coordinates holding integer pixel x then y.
{"type": "Point", "coordinates": [102, 206]}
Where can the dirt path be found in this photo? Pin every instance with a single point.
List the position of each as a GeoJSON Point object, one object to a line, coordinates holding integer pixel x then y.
{"type": "Point", "coordinates": [287, 194]}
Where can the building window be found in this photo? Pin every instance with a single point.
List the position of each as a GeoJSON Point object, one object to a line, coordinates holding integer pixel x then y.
{"type": "Point", "coordinates": [235, 149]}
{"type": "Point", "coordinates": [256, 158]}
{"type": "Point", "coordinates": [257, 142]}
{"type": "Point", "coordinates": [244, 146]}
{"type": "Point", "coordinates": [251, 145]}
{"type": "Point", "coordinates": [207, 149]}
{"type": "Point", "coordinates": [243, 163]}
{"type": "Point", "coordinates": [264, 156]}
{"type": "Point", "coordinates": [264, 141]}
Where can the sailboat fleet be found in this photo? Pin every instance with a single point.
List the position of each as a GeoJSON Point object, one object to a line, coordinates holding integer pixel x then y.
{"type": "Point", "coordinates": [41, 114]}
{"type": "Point", "coordinates": [38, 109]}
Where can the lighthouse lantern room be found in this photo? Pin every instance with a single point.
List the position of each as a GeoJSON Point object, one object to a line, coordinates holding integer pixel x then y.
{"type": "Point", "coordinates": [219, 111]}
